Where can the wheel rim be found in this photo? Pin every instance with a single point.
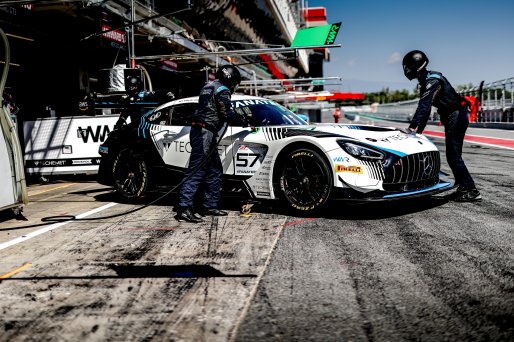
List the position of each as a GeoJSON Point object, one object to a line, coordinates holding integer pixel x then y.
{"type": "Point", "coordinates": [129, 176]}
{"type": "Point", "coordinates": [305, 182]}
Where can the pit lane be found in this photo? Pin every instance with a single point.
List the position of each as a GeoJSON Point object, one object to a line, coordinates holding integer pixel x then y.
{"type": "Point", "coordinates": [426, 269]}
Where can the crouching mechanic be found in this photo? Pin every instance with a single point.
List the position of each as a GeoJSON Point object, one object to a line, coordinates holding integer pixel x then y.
{"type": "Point", "coordinates": [205, 168]}
{"type": "Point", "coordinates": [435, 90]}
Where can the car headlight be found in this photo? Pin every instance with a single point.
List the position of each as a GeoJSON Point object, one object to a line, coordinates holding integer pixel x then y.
{"type": "Point", "coordinates": [360, 151]}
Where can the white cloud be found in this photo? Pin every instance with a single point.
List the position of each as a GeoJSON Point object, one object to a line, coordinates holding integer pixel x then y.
{"type": "Point", "coordinates": [396, 57]}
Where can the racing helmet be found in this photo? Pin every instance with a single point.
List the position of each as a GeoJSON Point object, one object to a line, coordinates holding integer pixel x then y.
{"type": "Point", "coordinates": [229, 76]}
{"type": "Point", "coordinates": [413, 63]}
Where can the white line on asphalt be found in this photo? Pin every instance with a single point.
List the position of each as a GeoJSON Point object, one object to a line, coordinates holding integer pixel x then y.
{"type": "Point", "coordinates": [52, 227]}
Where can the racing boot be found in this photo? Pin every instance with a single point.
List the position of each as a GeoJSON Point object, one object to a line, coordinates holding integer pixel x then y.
{"type": "Point", "coordinates": [471, 195]}
{"type": "Point", "coordinates": [188, 216]}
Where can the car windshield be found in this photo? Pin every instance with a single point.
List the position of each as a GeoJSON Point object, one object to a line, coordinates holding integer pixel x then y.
{"type": "Point", "coordinates": [264, 113]}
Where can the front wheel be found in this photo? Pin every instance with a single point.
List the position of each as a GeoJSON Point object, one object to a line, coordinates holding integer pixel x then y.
{"type": "Point", "coordinates": [130, 175]}
{"type": "Point", "coordinates": [305, 180]}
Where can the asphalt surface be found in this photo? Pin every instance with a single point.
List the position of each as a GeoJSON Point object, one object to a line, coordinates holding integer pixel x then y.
{"type": "Point", "coordinates": [417, 270]}
{"type": "Point", "coordinates": [425, 270]}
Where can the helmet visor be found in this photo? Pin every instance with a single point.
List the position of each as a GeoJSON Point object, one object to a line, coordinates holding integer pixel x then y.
{"type": "Point", "coordinates": [410, 72]}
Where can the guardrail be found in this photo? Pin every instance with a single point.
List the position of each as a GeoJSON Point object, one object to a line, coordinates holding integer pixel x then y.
{"type": "Point", "coordinates": [496, 99]}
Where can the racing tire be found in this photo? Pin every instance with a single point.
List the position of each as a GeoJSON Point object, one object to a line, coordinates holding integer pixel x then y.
{"type": "Point", "coordinates": [130, 175]}
{"type": "Point", "coordinates": [305, 181]}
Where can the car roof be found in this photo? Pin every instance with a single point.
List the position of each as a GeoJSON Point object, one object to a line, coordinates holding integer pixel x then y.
{"type": "Point", "coordinates": [194, 99]}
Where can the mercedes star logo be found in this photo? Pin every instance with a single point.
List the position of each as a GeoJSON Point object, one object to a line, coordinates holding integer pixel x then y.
{"type": "Point", "coordinates": [427, 166]}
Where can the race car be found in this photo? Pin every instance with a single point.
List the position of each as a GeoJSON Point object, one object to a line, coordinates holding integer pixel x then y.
{"type": "Point", "coordinates": [277, 156]}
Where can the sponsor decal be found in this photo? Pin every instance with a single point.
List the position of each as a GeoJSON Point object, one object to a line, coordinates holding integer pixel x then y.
{"type": "Point", "coordinates": [244, 172]}
{"type": "Point", "coordinates": [397, 137]}
{"type": "Point", "coordinates": [297, 154]}
{"type": "Point", "coordinates": [185, 147]}
{"type": "Point", "coordinates": [117, 36]}
{"type": "Point", "coordinates": [246, 103]}
{"type": "Point", "coordinates": [82, 162]}
{"type": "Point", "coordinates": [83, 105]}
{"type": "Point", "coordinates": [99, 134]}
{"type": "Point", "coordinates": [67, 149]}
{"type": "Point", "coordinates": [61, 162]}
{"type": "Point", "coordinates": [341, 159]}
{"type": "Point", "coordinates": [350, 168]}
{"type": "Point", "coordinates": [332, 34]}
{"type": "Point", "coordinates": [262, 193]}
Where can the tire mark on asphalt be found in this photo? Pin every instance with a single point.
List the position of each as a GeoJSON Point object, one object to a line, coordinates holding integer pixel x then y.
{"type": "Point", "coordinates": [146, 245]}
{"type": "Point", "coordinates": [446, 281]}
{"type": "Point", "coordinates": [367, 286]}
{"type": "Point", "coordinates": [211, 244]}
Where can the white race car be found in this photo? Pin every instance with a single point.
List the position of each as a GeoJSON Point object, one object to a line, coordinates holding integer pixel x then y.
{"type": "Point", "coordinates": [279, 157]}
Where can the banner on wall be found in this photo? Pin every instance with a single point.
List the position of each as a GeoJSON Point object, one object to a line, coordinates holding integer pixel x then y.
{"type": "Point", "coordinates": [65, 145]}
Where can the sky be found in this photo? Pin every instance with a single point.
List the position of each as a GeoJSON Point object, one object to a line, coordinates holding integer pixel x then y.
{"type": "Point", "coordinates": [468, 41]}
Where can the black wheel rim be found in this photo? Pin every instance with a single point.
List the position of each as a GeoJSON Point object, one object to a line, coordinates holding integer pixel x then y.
{"type": "Point", "coordinates": [305, 181]}
{"type": "Point", "coordinates": [128, 176]}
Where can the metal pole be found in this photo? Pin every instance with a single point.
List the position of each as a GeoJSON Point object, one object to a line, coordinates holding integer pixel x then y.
{"type": "Point", "coordinates": [132, 28]}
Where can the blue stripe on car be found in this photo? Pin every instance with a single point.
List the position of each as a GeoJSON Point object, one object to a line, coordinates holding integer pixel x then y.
{"type": "Point", "coordinates": [410, 193]}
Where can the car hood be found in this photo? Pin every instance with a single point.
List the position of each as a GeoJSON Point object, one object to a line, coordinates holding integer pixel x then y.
{"type": "Point", "coordinates": [389, 139]}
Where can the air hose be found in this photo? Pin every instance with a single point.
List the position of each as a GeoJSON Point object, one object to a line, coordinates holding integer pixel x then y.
{"type": "Point", "coordinates": [10, 131]}
{"type": "Point", "coordinates": [65, 218]}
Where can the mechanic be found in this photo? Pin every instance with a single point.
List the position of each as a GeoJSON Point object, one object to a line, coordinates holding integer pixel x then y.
{"type": "Point", "coordinates": [435, 90]}
{"type": "Point", "coordinates": [213, 111]}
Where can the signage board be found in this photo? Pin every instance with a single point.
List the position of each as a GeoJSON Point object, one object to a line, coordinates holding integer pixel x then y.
{"type": "Point", "coordinates": [65, 145]}
{"type": "Point", "coordinates": [314, 36]}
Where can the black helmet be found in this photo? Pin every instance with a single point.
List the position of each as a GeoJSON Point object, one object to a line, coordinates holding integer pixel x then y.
{"type": "Point", "coordinates": [229, 76]}
{"type": "Point", "coordinates": [413, 63]}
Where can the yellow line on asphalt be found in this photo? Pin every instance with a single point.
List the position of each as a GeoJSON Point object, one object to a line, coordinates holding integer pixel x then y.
{"type": "Point", "coordinates": [13, 272]}
{"type": "Point", "coordinates": [47, 190]}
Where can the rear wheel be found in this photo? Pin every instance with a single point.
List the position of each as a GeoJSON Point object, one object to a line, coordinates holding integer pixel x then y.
{"type": "Point", "coordinates": [130, 175]}
{"type": "Point", "coordinates": [305, 180]}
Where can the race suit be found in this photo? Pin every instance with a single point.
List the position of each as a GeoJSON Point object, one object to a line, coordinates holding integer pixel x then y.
{"type": "Point", "coordinates": [435, 90]}
{"type": "Point", "coordinates": [214, 109]}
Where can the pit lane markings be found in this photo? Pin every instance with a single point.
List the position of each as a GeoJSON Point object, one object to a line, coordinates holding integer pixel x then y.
{"type": "Point", "coordinates": [51, 189]}
{"type": "Point", "coordinates": [173, 228]}
{"type": "Point", "coordinates": [52, 227]}
{"type": "Point", "coordinates": [297, 222]}
{"type": "Point", "coordinates": [17, 270]}
{"type": "Point", "coordinates": [479, 139]}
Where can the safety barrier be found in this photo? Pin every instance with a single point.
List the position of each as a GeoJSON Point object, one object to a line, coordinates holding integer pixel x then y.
{"type": "Point", "coordinates": [497, 100]}
{"type": "Point", "coordinates": [496, 105]}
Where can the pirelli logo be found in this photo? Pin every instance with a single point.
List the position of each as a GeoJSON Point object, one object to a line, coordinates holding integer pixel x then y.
{"type": "Point", "coordinates": [350, 168]}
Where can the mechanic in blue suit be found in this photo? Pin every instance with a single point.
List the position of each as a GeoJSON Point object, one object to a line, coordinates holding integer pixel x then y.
{"type": "Point", "coordinates": [435, 90]}
{"type": "Point", "coordinates": [213, 111]}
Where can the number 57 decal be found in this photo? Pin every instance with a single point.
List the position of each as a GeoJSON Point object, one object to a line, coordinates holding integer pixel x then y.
{"type": "Point", "coordinates": [246, 159]}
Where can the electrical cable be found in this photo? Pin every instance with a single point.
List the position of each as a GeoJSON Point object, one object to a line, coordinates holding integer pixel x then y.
{"type": "Point", "coordinates": [66, 218]}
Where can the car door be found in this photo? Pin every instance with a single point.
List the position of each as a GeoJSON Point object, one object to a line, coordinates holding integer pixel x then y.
{"type": "Point", "coordinates": [171, 137]}
{"type": "Point", "coordinates": [170, 127]}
